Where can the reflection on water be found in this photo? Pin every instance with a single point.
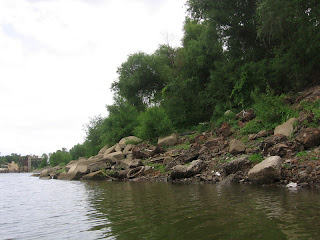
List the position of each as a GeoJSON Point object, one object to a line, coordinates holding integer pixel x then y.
{"type": "Point", "coordinates": [52, 209]}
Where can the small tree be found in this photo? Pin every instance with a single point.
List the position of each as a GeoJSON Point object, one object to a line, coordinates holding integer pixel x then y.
{"type": "Point", "coordinates": [153, 123]}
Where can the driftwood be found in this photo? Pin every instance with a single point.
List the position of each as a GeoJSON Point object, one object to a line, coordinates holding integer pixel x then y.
{"type": "Point", "coordinates": [135, 171]}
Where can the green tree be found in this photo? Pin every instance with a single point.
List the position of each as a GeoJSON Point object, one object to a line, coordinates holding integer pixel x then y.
{"type": "Point", "coordinates": [61, 157]}
{"type": "Point", "coordinates": [93, 131]}
{"type": "Point", "coordinates": [291, 32]}
{"type": "Point", "coordinates": [79, 150]}
{"type": "Point", "coordinates": [153, 123]}
{"type": "Point", "coordinates": [140, 80]}
{"type": "Point", "coordinates": [44, 161]}
{"type": "Point", "coordinates": [120, 123]}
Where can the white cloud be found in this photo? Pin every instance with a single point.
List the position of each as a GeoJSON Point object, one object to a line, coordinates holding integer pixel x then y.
{"type": "Point", "coordinates": [59, 57]}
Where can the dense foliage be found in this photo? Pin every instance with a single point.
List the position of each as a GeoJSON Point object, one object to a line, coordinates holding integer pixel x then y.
{"type": "Point", "coordinates": [153, 123]}
{"type": "Point", "coordinates": [4, 160]}
{"type": "Point", "coordinates": [60, 157]}
{"type": "Point", "coordinates": [234, 55]}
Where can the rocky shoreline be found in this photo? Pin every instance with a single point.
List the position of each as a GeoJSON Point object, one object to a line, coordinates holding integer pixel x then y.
{"type": "Point", "coordinates": [287, 156]}
{"type": "Point", "coordinates": [208, 159]}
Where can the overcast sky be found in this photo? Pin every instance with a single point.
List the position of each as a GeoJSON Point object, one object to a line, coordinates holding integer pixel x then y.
{"type": "Point", "coordinates": [58, 59]}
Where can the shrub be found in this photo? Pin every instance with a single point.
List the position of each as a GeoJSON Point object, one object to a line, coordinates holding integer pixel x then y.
{"type": "Point", "coordinates": [271, 109]}
{"type": "Point", "coordinates": [314, 109]}
{"type": "Point", "coordinates": [253, 126]}
{"type": "Point", "coordinates": [153, 123]}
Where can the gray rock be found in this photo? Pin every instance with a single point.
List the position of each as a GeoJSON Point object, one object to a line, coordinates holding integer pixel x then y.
{"type": "Point", "coordinates": [267, 171]}
{"type": "Point", "coordinates": [236, 165]}
{"type": "Point", "coordinates": [178, 171]}
{"type": "Point", "coordinates": [118, 148]}
{"type": "Point", "coordinates": [123, 141]}
{"type": "Point", "coordinates": [169, 140]}
{"type": "Point", "coordinates": [195, 167]}
{"type": "Point", "coordinates": [132, 163]}
{"type": "Point", "coordinates": [99, 164]}
{"type": "Point", "coordinates": [232, 178]}
{"type": "Point", "coordinates": [236, 146]}
{"type": "Point", "coordinates": [182, 171]}
{"type": "Point", "coordinates": [98, 175]}
{"type": "Point", "coordinates": [103, 150]}
{"type": "Point", "coordinates": [286, 128]}
{"type": "Point", "coordinates": [116, 155]}
{"type": "Point", "coordinates": [128, 149]}
{"type": "Point", "coordinates": [109, 150]}
{"type": "Point", "coordinates": [49, 172]}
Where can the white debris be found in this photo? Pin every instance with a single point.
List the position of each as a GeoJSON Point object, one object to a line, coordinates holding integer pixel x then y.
{"type": "Point", "coordinates": [292, 185]}
{"type": "Point", "coordinates": [216, 173]}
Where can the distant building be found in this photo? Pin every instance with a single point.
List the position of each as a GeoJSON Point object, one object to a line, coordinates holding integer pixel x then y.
{"type": "Point", "coordinates": [29, 162]}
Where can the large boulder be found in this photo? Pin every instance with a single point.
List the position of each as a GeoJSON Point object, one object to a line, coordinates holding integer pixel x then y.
{"type": "Point", "coordinates": [195, 167]}
{"type": "Point", "coordinates": [103, 150]}
{"type": "Point", "coordinates": [224, 130]}
{"type": "Point", "coordinates": [118, 147]}
{"type": "Point", "coordinates": [309, 137]}
{"type": "Point", "coordinates": [188, 155]}
{"type": "Point", "coordinates": [105, 163]}
{"type": "Point", "coordinates": [182, 171]}
{"type": "Point", "coordinates": [178, 171]}
{"type": "Point", "coordinates": [235, 165]}
{"type": "Point", "coordinates": [109, 150]}
{"type": "Point", "coordinates": [116, 155]}
{"type": "Point", "coordinates": [267, 171]}
{"type": "Point", "coordinates": [286, 128]}
{"type": "Point", "coordinates": [132, 163]}
{"type": "Point", "coordinates": [169, 140]}
{"type": "Point", "coordinates": [128, 149]}
{"type": "Point", "coordinates": [68, 166]}
{"type": "Point", "coordinates": [77, 169]}
{"type": "Point", "coordinates": [129, 140]}
{"type": "Point", "coordinates": [49, 172]}
{"type": "Point", "coordinates": [236, 146]}
{"type": "Point", "coordinates": [98, 175]}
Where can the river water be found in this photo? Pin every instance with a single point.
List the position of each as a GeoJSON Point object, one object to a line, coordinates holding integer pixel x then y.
{"type": "Point", "coordinates": [31, 208]}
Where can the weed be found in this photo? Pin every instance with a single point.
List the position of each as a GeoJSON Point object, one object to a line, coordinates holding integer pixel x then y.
{"type": "Point", "coordinates": [253, 126]}
{"type": "Point", "coordinates": [158, 167]}
{"type": "Point", "coordinates": [184, 146]}
{"type": "Point", "coordinates": [286, 165]}
{"type": "Point", "coordinates": [312, 108]}
{"type": "Point", "coordinates": [302, 154]}
{"type": "Point", "coordinates": [256, 158]}
{"type": "Point", "coordinates": [111, 173]}
{"type": "Point", "coordinates": [61, 170]}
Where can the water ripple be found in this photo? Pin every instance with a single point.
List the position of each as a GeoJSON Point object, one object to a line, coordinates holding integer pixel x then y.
{"type": "Point", "coordinates": [50, 209]}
